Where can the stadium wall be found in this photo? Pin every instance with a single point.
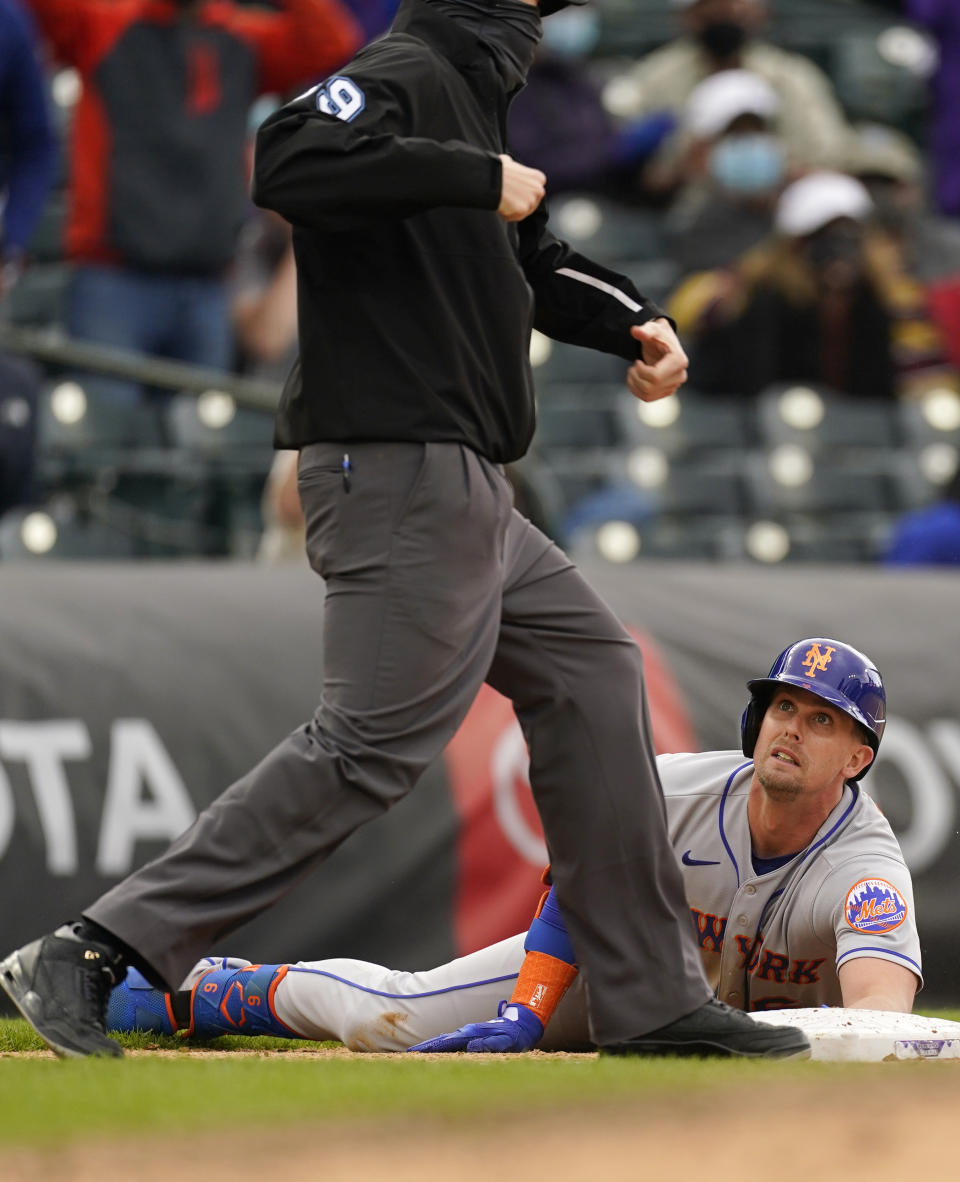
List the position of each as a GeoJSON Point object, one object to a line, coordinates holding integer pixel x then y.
{"type": "Point", "coordinates": [131, 696]}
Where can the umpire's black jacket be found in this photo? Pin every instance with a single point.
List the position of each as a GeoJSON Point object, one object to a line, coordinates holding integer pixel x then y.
{"type": "Point", "coordinates": [416, 299]}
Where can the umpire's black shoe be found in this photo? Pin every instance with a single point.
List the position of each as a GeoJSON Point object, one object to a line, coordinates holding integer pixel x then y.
{"type": "Point", "coordinates": [717, 1030]}
{"type": "Point", "coordinates": [61, 984]}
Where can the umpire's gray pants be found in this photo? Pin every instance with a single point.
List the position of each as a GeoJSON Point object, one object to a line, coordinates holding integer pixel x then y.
{"type": "Point", "coordinates": [434, 583]}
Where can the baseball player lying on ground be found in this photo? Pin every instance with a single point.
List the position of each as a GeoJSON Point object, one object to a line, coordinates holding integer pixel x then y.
{"type": "Point", "coordinates": [795, 881]}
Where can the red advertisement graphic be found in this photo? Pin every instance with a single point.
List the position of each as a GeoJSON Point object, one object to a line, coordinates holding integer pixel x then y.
{"type": "Point", "coordinates": [501, 850]}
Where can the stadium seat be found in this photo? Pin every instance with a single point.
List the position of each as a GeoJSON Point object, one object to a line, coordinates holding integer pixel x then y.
{"type": "Point", "coordinates": [796, 537]}
{"type": "Point", "coordinates": [579, 473]}
{"type": "Point", "coordinates": [692, 538]}
{"type": "Point", "coordinates": [235, 452]}
{"type": "Point", "coordinates": [871, 84]}
{"type": "Point", "coordinates": [167, 504]}
{"type": "Point", "coordinates": [606, 230]}
{"type": "Point", "coordinates": [643, 484]}
{"type": "Point", "coordinates": [791, 480]}
{"type": "Point", "coordinates": [685, 423]}
{"type": "Point", "coordinates": [933, 418]}
{"type": "Point", "coordinates": [917, 476]}
{"type": "Point", "coordinates": [80, 418]}
{"type": "Point", "coordinates": [578, 416]}
{"type": "Point", "coordinates": [838, 538]}
{"type": "Point", "coordinates": [235, 498]}
{"type": "Point", "coordinates": [820, 419]}
{"type": "Point", "coordinates": [629, 28]}
{"type": "Point", "coordinates": [38, 299]}
{"type": "Point", "coordinates": [62, 531]}
{"type": "Point", "coordinates": [673, 537]}
{"type": "Point", "coordinates": [705, 485]}
{"type": "Point", "coordinates": [653, 278]}
{"type": "Point", "coordinates": [214, 425]}
{"type": "Point", "coordinates": [556, 361]}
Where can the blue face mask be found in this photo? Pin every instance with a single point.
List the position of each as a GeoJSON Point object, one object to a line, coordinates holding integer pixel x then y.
{"type": "Point", "coordinates": [573, 33]}
{"type": "Point", "coordinates": [748, 164]}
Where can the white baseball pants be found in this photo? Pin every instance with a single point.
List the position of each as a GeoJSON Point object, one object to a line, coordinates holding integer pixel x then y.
{"type": "Point", "coordinates": [369, 1007]}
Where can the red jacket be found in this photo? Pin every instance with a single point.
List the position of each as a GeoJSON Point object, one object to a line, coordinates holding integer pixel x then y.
{"type": "Point", "coordinates": [158, 175]}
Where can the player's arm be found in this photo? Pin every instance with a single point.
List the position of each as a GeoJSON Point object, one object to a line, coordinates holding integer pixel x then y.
{"type": "Point", "coordinates": [866, 905]}
{"type": "Point", "coordinates": [550, 964]}
{"type": "Point", "coordinates": [348, 148]}
{"type": "Point", "coordinates": [868, 983]}
{"type": "Point", "coordinates": [547, 972]}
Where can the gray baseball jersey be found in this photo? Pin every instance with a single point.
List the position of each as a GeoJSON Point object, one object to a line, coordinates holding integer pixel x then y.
{"type": "Point", "coordinates": [777, 939]}
{"type": "Point", "coordinates": [768, 941]}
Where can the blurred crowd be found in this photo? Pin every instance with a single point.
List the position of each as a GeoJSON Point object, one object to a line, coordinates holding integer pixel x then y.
{"type": "Point", "coordinates": [787, 188]}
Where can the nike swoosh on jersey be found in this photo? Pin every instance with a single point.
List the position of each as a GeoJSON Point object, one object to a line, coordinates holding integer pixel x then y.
{"type": "Point", "coordinates": [688, 861]}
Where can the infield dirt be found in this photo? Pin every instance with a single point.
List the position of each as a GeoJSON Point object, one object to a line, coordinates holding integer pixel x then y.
{"type": "Point", "coordinates": [898, 1121]}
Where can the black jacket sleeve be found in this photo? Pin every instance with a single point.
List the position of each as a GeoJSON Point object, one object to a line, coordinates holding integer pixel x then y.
{"type": "Point", "coordinates": [577, 300]}
{"type": "Point", "coordinates": [312, 167]}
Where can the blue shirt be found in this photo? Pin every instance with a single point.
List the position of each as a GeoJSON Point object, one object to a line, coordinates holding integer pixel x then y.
{"type": "Point", "coordinates": [929, 537]}
{"type": "Point", "coordinates": [27, 140]}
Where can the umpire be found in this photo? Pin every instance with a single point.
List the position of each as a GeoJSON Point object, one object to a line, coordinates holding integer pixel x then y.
{"type": "Point", "coordinates": [424, 259]}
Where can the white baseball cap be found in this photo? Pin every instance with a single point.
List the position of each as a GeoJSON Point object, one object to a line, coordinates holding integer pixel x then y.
{"type": "Point", "coordinates": [722, 97]}
{"type": "Point", "coordinates": [818, 198]}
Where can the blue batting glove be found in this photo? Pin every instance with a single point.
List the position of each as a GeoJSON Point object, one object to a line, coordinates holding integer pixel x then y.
{"type": "Point", "coordinates": [516, 1029]}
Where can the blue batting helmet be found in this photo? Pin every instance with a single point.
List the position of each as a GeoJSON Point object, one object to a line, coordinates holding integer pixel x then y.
{"type": "Point", "coordinates": [833, 671]}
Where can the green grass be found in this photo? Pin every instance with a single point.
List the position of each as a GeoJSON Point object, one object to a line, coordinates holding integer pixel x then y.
{"type": "Point", "coordinates": [46, 1103]}
{"type": "Point", "coordinates": [946, 1015]}
{"type": "Point", "coordinates": [50, 1103]}
{"type": "Point", "coordinates": [18, 1035]}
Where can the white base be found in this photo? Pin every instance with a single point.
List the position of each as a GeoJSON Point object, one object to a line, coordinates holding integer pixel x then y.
{"type": "Point", "coordinates": [869, 1036]}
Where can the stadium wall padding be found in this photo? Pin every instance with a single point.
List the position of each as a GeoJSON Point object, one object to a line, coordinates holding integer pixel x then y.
{"type": "Point", "coordinates": [131, 696]}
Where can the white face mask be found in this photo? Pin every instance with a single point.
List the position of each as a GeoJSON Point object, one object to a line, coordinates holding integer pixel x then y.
{"type": "Point", "coordinates": [573, 33]}
{"type": "Point", "coordinates": [748, 164]}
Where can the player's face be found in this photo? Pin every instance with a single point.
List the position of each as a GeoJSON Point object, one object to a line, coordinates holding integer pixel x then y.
{"type": "Point", "coordinates": [806, 746]}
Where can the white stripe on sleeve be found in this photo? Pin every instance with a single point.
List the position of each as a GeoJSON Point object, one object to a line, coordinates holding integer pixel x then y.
{"type": "Point", "coordinates": [592, 281]}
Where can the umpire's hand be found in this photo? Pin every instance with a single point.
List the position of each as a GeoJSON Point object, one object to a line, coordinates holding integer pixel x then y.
{"type": "Point", "coordinates": [663, 369]}
{"type": "Point", "coordinates": [521, 190]}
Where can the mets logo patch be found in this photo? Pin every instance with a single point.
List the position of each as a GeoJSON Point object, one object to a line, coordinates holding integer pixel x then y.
{"type": "Point", "coordinates": [875, 905]}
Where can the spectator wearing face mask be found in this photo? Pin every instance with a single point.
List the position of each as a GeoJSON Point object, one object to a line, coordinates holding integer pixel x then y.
{"type": "Point", "coordinates": [558, 122]}
{"type": "Point", "coordinates": [825, 300]}
{"type": "Point", "coordinates": [727, 35]}
{"type": "Point", "coordinates": [734, 169]}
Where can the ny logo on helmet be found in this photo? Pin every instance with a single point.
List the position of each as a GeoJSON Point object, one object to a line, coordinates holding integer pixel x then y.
{"type": "Point", "coordinates": [816, 661]}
